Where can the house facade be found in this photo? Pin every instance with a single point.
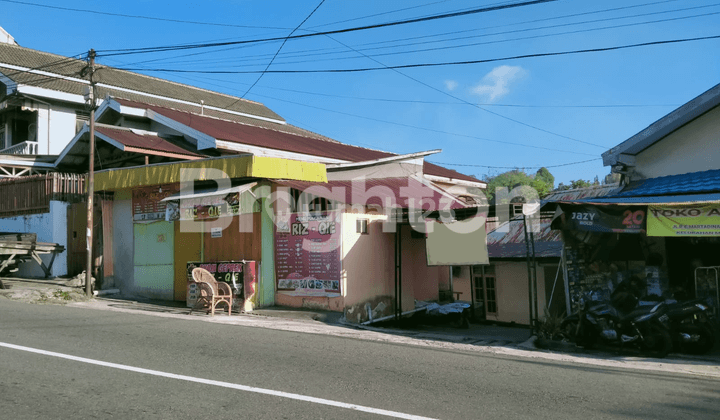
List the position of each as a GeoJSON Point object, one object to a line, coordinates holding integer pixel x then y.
{"type": "Point", "coordinates": [149, 132]}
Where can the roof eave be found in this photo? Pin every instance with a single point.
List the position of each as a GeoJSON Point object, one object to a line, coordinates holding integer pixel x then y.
{"type": "Point", "coordinates": [664, 126]}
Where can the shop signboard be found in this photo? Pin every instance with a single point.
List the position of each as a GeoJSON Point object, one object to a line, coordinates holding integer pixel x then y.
{"type": "Point", "coordinates": [212, 207]}
{"type": "Point", "coordinates": [230, 272]}
{"type": "Point", "coordinates": [147, 202]}
{"type": "Point", "coordinates": [605, 219]}
{"type": "Point", "coordinates": [307, 254]}
{"type": "Point", "coordinates": [688, 220]}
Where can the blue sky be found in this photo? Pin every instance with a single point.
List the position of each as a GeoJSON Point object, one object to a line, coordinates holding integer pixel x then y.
{"type": "Point", "coordinates": [409, 110]}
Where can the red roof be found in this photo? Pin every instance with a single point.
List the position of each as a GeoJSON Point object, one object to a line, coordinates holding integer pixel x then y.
{"type": "Point", "coordinates": [150, 143]}
{"type": "Point", "coordinates": [263, 137]}
{"type": "Point", "coordinates": [382, 192]}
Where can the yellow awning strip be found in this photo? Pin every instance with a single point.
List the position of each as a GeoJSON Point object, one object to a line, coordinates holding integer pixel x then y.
{"type": "Point", "coordinates": [233, 167]}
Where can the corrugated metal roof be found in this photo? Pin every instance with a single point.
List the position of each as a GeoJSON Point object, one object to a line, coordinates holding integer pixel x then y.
{"type": "Point", "coordinates": [710, 198]}
{"type": "Point", "coordinates": [508, 240]}
{"type": "Point", "coordinates": [28, 58]}
{"type": "Point", "coordinates": [148, 141]}
{"type": "Point", "coordinates": [260, 137]}
{"type": "Point", "coordinates": [695, 182]}
{"type": "Point", "coordinates": [579, 193]}
{"type": "Point", "coordinates": [382, 192]}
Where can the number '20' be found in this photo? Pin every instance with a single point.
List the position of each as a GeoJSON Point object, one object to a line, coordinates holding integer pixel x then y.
{"type": "Point", "coordinates": [635, 218]}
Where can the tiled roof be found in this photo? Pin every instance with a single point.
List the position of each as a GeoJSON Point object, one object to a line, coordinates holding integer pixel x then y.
{"type": "Point", "coordinates": [382, 192]}
{"type": "Point", "coordinates": [691, 183]}
{"type": "Point", "coordinates": [272, 139]}
{"type": "Point", "coordinates": [28, 58]}
{"type": "Point", "coordinates": [508, 240]}
{"type": "Point", "coordinates": [141, 140]}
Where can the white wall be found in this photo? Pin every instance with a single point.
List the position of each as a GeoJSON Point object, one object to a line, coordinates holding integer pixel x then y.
{"type": "Point", "coordinates": [49, 227]}
{"type": "Point", "coordinates": [62, 129]}
{"type": "Point", "coordinates": [123, 246]}
{"type": "Point", "coordinates": [692, 148]}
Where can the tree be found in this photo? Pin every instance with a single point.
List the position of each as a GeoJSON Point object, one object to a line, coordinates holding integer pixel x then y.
{"type": "Point", "coordinates": [542, 181]}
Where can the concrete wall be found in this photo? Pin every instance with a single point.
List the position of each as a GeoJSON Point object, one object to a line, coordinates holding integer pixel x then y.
{"type": "Point", "coordinates": [368, 268]}
{"type": "Point", "coordinates": [694, 147]}
{"type": "Point", "coordinates": [419, 281]}
{"type": "Point", "coordinates": [123, 244]}
{"type": "Point", "coordinates": [49, 227]}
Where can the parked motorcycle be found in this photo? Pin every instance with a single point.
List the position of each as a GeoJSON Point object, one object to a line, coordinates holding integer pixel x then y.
{"type": "Point", "coordinates": [641, 326]}
{"type": "Point", "coordinates": [690, 326]}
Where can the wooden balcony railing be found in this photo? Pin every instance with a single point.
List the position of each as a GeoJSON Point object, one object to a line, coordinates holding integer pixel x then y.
{"type": "Point", "coordinates": [32, 194]}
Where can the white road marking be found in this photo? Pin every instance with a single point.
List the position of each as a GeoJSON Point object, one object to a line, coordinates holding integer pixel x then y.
{"type": "Point", "coordinates": [221, 384]}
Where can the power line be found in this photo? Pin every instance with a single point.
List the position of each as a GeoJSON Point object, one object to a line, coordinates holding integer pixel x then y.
{"type": "Point", "coordinates": [470, 103]}
{"type": "Point", "coordinates": [326, 51]}
{"type": "Point", "coordinates": [97, 12]}
{"type": "Point", "coordinates": [329, 51]}
{"type": "Point", "coordinates": [379, 14]}
{"type": "Point", "coordinates": [474, 44]}
{"type": "Point", "coordinates": [278, 51]}
{"type": "Point", "coordinates": [126, 51]}
{"type": "Point", "coordinates": [413, 101]}
{"type": "Point", "coordinates": [449, 63]}
{"type": "Point", "coordinates": [424, 128]}
{"type": "Point", "coordinates": [516, 167]}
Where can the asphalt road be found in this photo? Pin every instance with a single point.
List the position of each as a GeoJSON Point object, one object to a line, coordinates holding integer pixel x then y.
{"type": "Point", "coordinates": [403, 379]}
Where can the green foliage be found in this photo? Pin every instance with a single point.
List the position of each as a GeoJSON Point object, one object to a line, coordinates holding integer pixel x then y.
{"type": "Point", "coordinates": [543, 182]}
{"type": "Point", "coordinates": [549, 326]}
{"type": "Point", "coordinates": [59, 294]}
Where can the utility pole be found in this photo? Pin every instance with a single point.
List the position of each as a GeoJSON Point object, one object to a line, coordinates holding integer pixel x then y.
{"type": "Point", "coordinates": [90, 180]}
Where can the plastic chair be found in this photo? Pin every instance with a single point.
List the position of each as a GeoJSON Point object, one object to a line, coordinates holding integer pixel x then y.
{"type": "Point", "coordinates": [211, 292]}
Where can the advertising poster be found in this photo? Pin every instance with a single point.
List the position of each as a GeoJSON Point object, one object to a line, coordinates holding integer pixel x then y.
{"type": "Point", "coordinates": [307, 254]}
{"type": "Point", "coordinates": [230, 272]}
{"type": "Point", "coordinates": [694, 220]}
{"type": "Point", "coordinates": [147, 204]}
{"type": "Point", "coordinates": [609, 220]}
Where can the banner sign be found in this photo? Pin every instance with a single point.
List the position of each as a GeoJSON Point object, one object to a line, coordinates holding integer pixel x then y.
{"type": "Point", "coordinates": [307, 254]}
{"type": "Point", "coordinates": [602, 219]}
{"type": "Point", "coordinates": [230, 272]}
{"type": "Point", "coordinates": [146, 204]}
{"type": "Point", "coordinates": [689, 220]}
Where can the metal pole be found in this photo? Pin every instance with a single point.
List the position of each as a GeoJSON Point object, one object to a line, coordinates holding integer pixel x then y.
{"type": "Point", "coordinates": [534, 270]}
{"type": "Point", "coordinates": [90, 180]}
{"type": "Point", "coordinates": [527, 250]}
{"type": "Point", "coordinates": [472, 291]}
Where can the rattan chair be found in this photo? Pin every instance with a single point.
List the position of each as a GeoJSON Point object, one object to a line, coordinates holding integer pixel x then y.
{"type": "Point", "coordinates": [211, 292]}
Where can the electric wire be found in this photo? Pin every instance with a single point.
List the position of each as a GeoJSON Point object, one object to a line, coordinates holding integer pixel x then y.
{"type": "Point", "coordinates": [328, 51]}
{"type": "Point", "coordinates": [278, 51]}
{"type": "Point", "coordinates": [448, 63]}
{"type": "Point", "coordinates": [517, 166]}
{"type": "Point", "coordinates": [302, 52]}
{"type": "Point", "coordinates": [424, 128]}
{"type": "Point", "coordinates": [97, 12]}
{"type": "Point", "coordinates": [126, 51]}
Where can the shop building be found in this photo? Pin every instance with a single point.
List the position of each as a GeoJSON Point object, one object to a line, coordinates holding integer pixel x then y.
{"type": "Point", "coordinates": [662, 225]}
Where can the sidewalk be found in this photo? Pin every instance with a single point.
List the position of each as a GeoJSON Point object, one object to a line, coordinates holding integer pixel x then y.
{"type": "Point", "coordinates": [489, 339]}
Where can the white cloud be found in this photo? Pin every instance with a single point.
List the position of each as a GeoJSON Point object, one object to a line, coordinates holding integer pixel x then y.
{"type": "Point", "coordinates": [451, 84]}
{"type": "Point", "coordinates": [496, 84]}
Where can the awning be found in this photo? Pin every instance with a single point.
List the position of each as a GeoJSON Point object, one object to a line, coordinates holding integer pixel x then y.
{"type": "Point", "coordinates": [408, 192]}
